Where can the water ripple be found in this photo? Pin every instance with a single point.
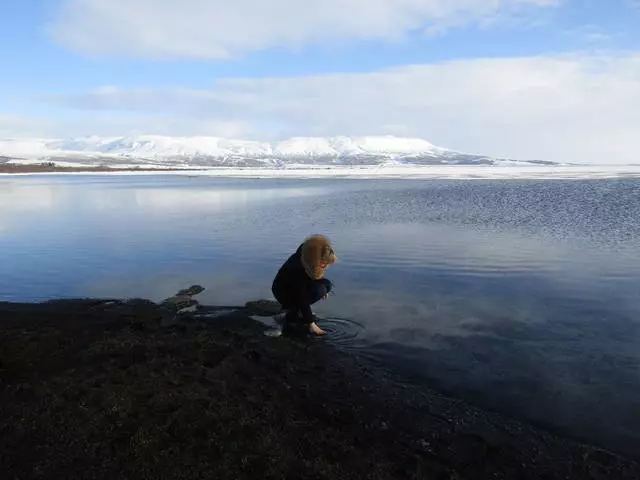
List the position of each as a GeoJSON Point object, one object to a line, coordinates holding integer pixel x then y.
{"type": "Point", "coordinates": [342, 331]}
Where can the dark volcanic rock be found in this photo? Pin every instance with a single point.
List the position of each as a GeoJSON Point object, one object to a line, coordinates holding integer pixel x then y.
{"type": "Point", "coordinates": [99, 389]}
{"type": "Point", "coordinates": [263, 307]}
{"type": "Point", "coordinates": [191, 291]}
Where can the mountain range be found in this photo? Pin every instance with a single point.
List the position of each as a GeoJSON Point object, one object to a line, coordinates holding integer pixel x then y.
{"type": "Point", "coordinates": [219, 152]}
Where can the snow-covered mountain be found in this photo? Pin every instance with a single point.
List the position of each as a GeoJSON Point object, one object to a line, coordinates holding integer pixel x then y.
{"type": "Point", "coordinates": [214, 151]}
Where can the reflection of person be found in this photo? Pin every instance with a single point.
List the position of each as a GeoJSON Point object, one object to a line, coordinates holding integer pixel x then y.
{"type": "Point", "coordinates": [300, 282]}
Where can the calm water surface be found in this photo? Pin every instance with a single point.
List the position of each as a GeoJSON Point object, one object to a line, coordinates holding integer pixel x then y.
{"type": "Point", "coordinates": [520, 295]}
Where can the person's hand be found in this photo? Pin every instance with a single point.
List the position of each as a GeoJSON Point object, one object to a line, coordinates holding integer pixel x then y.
{"type": "Point", "coordinates": [325, 297]}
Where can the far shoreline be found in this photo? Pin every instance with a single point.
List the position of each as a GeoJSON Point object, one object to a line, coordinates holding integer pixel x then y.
{"type": "Point", "coordinates": [336, 172]}
{"type": "Point", "coordinates": [14, 168]}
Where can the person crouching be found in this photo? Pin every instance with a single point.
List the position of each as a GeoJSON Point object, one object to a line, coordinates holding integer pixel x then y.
{"type": "Point", "coordinates": [300, 282]}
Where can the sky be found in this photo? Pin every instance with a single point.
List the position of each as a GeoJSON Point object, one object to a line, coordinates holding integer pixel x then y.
{"type": "Point", "coordinates": [554, 80]}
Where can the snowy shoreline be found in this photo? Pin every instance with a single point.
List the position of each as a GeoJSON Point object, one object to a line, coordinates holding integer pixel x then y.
{"type": "Point", "coordinates": [462, 172]}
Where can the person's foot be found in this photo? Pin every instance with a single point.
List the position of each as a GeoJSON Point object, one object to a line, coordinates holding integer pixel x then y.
{"type": "Point", "coordinates": [314, 328]}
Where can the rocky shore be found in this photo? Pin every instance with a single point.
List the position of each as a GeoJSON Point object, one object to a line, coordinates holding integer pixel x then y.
{"type": "Point", "coordinates": [130, 389]}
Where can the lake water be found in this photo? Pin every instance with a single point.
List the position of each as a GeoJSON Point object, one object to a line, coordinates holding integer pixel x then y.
{"type": "Point", "coordinates": [520, 295]}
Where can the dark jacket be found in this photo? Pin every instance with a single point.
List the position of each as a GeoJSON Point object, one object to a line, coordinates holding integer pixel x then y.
{"type": "Point", "coordinates": [292, 285]}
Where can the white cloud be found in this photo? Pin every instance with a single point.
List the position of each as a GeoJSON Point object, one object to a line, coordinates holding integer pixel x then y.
{"type": "Point", "coordinates": [114, 124]}
{"type": "Point", "coordinates": [591, 34]}
{"type": "Point", "coordinates": [20, 126]}
{"type": "Point", "coordinates": [564, 108]}
{"type": "Point", "coordinates": [220, 29]}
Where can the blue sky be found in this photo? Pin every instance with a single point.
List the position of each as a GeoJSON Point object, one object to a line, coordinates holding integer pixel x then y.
{"type": "Point", "coordinates": [554, 79]}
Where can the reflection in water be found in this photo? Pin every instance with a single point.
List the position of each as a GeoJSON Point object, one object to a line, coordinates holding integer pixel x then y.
{"type": "Point", "coordinates": [172, 200]}
{"type": "Point", "coordinates": [24, 198]}
{"type": "Point", "coordinates": [519, 294]}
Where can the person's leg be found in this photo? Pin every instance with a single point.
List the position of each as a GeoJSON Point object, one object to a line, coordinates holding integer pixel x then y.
{"type": "Point", "coordinates": [292, 321]}
{"type": "Point", "coordinates": [291, 311]}
{"type": "Point", "coordinates": [318, 290]}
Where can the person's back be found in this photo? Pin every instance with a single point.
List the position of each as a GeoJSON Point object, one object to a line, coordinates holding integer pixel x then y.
{"type": "Point", "coordinates": [300, 281]}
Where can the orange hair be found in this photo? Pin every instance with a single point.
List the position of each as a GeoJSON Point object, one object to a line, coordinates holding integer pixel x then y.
{"type": "Point", "coordinates": [316, 251]}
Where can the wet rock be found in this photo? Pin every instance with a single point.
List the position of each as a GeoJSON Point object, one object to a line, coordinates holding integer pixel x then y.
{"type": "Point", "coordinates": [601, 457]}
{"type": "Point", "coordinates": [179, 302]}
{"type": "Point", "coordinates": [265, 308]}
{"type": "Point", "coordinates": [189, 309]}
{"type": "Point", "coordinates": [191, 291]}
{"type": "Point", "coordinates": [602, 465]}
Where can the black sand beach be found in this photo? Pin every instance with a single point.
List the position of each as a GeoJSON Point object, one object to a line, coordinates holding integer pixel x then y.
{"type": "Point", "coordinates": [99, 389]}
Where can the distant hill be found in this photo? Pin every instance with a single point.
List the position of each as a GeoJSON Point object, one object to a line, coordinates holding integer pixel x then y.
{"type": "Point", "coordinates": [220, 152]}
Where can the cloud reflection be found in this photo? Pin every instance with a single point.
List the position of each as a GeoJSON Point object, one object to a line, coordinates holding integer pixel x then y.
{"type": "Point", "coordinates": [171, 199]}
